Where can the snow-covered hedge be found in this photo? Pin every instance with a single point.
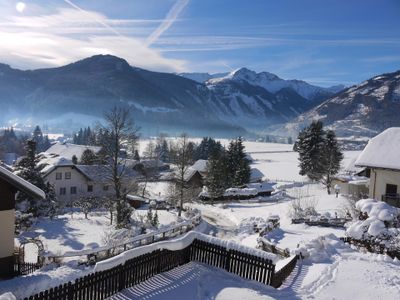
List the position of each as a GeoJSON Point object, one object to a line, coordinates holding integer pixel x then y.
{"type": "Point", "coordinates": [378, 222]}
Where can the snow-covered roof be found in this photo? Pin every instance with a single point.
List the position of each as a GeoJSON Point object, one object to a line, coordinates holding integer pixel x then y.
{"type": "Point", "coordinates": [21, 184]}
{"type": "Point", "coordinates": [68, 150]}
{"type": "Point", "coordinates": [255, 175]}
{"type": "Point", "coordinates": [351, 168]}
{"type": "Point", "coordinates": [101, 173]}
{"type": "Point", "coordinates": [200, 165]}
{"type": "Point", "coordinates": [189, 173]}
{"type": "Point", "coordinates": [266, 186]}
{"type": "Point", "coordinates": [48, 162]}
{"type": "Point", "coordinates": [382, 151]}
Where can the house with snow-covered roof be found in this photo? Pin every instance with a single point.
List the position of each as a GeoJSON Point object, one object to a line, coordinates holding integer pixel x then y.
{"type": "Point", "coordinates": [73, 181]}
{"type": "Point", "coordinates": [10, 184]}
{"type": "Point", "coordinates": [68, 150]}
{"type": "Point", "coordinates": [382, 157]}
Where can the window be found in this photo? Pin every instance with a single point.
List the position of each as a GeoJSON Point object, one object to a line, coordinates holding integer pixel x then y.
{"type": "Point", "coordinates": [67, 175]}
{"type": "Point", "coordinates": [391, 189]}
{"type": "Point", "coordinates": [58, 176]}
{"type": "Point", "coordinates": [63, 191]}
{"type": "Point", "coordinates": [73, 190]}
{"type": "Point", "coordinates": [105, 187]}
{"type": "Point", "coordinates": [90, 188]}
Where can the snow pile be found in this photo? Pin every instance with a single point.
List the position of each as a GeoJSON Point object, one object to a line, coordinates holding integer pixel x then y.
{"type": "Point", "coordinates": [322, 249]}
{"type": "Point", "coordinates": [240, 192]}
{"type": "Point", "coordinates": [378, 222]}
{"type": "Point", "coordinates": [7, 296]}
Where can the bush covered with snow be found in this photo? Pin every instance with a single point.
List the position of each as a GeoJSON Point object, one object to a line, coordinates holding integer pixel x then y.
{"type": "Point", "coordinates": [378, 222]}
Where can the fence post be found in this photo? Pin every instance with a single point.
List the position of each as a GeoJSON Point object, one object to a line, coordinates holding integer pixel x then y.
{"type": "Point", "coordinates": [71, 290]}
{"type": "Point", "coordinates": [228, 261]}
{"type": "Point", "coordinates": [121, 278]}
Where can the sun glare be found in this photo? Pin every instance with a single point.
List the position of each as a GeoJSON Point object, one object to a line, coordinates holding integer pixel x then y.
{"type": "Point", "coordinates": [20, 7]}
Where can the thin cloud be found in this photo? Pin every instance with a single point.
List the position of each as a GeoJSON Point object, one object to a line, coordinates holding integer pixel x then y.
{"type": "Point", "coordinates": [171, 17]}
{"type": "Point", "coordinates": [39, 41]}
{"type": "Point", "coordinates": [94, 19]}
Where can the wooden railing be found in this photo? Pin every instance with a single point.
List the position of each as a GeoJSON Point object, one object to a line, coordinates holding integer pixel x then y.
{"type": "Point", "coordinates": [101, 285]}
{"type": "Point", "coordinates": [25, 268]}
{"type": "Point", "coordinates": [282, 274]}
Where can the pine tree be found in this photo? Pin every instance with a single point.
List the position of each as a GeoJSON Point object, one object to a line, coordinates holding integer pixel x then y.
{"type": "Point", "coordinates": [88, 157]}
{"type": "Point", "coordinates": [27, 169]}
{"type": "Point", "coordinates": [74, 159]}
{"type": "Point", "coordinates": [216, 182]}
{"type": "Point", "coordinates": [155, 222]}
{"type": "Point", "coordinates": [332, 156]}
{"type": "Point", "coordinates": [237, 163]}
{"type": "Point", "coordinates": [310, 145]}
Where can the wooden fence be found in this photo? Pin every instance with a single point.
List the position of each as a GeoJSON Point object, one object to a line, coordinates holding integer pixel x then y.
{"type": "Point", "coordinates": [282, 274]}
{"type": "Point", "coordinates": [101, 285]}
{"type": "Point", "coordinates": [25, 268]}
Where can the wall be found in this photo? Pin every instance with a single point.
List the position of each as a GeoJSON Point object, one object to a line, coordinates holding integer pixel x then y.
{"type": "Point", "coordinates": [7, 220]}
{"type": "Point", "coordinates": [379, 179]}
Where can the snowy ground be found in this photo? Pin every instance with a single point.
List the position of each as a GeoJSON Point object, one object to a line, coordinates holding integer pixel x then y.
{"type": "Point", "coordinates": [73, 232]}
{"type": "Point", "coordinates": [199, 281]}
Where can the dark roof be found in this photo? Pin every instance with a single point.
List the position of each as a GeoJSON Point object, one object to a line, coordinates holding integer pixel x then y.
{"type": "Point", "coordinates": [21, 184]}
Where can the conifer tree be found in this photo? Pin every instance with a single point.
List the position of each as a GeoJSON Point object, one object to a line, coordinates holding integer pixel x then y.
{"type": "Point", "coordinates": [216, 182]}
{"type": "Point", "coordinates": [332, 159]}
{"type": "Point", "coordinates": [88, 157]}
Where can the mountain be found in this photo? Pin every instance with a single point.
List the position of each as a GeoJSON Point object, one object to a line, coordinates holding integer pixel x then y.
{"type": "Point", "coordinates": [361, 110]}
{"type": "Point", "coordinates": [77, 94]}
{"type": "Point", "coordinates": [202, 77]}
{"type": "Point", "coordinates": [262, 99]}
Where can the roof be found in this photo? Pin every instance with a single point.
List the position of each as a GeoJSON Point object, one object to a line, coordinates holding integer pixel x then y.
{"type": "Point", "coordinates": [255, 174]}
{"type": "Point", "coordinates": [200, 165]}
{"type": "Point", "coordinates": [101, 173]}
{"type": "Point", "coordinates": [68, 150]}
{"type": "Point", "coordinates": [189, 173]}
{"type": "Point", "coordinates": [21, 184]}
{"type": "Point", "coordinates": [382, 151]}
{"type": "Point", "coordinates": [49, 162]}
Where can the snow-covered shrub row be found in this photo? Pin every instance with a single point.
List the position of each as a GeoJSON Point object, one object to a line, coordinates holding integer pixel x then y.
{"type": "Point", "coordinates": [179, 244]}
{"type": "Point", "coordinates": [378, 222]}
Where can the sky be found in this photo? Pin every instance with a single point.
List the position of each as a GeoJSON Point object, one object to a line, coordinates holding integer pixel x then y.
{"type": "Point", "coordinates": [324, 42]}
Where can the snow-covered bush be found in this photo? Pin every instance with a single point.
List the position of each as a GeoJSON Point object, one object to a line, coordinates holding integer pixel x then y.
{"type": "Point", "coordinates": [378, 222]}
{"type": "Point", "coordinates": [302, 208]}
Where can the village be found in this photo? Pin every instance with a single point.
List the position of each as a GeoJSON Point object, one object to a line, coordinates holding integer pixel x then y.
{"type": "Point", "coordinates": [278, 216]}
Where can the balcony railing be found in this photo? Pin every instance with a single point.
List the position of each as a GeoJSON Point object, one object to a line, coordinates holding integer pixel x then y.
{"type": "Point", "coordinates": [392, 199]}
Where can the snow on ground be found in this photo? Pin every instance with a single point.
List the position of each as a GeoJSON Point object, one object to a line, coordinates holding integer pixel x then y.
{"type": "Point", "coordinates": [73, 232]}
{"type": "Point", "coordinates": [200, 281]}
{"type": "Point", "coordinates": [157, 190]}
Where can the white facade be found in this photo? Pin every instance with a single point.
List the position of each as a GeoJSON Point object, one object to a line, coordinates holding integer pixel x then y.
{"type": "Point", "coordinates": [70, 184]}
{"type": "Point", "coordinates": [380, 178]}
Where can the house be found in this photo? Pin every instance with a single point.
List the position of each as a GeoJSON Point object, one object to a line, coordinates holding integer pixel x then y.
{"type": "Point", "coordinates": [256, 175]}
{"type": "Point", "coordinates": [9, 185]}
{"type": "Point", "coordinates": [73, 181]}
{"type": "Point", "coordinates": [353, 181]}
{"type": "Point", "coordinates": [382, 157]}
{"type": "Point", "coordinates": [68, 150]}
{"type": "Point", "coordinates": [195, 174]}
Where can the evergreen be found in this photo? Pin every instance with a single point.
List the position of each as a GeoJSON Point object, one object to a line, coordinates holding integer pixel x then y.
{"type": "Point", "coordinates": [27, 169]}
{"type": "Point", "coordinates": [310, 145]}
{"type": "Point", "coordinates": [136, 155]}
{"type": "Point", "coordinates": [332, 158]}
{"type": "Point", "coordinates": [74, 159]}
{"type": "Point", "coordinates": [206, 147]}
{"type": "Point", "coordinates": [238, 166]}
{"type": "Point", "coordinates": [88, 157]}
{"type": "Point", "coordinates": [319, 153]}
{"type": "Point", "coordinates": [216, 181]}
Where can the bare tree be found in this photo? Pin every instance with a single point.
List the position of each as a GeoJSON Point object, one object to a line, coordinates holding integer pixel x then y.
{"type": "Point", "coordinates": [182, 161]}
{"type": "Point", "coordinates": [120, 133]}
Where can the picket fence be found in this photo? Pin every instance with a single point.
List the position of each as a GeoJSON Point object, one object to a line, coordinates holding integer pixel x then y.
{"type": "Point", "coordinates": [101, 285]}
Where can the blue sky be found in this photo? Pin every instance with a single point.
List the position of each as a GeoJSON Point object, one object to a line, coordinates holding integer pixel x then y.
{"type": "Point", "coordinates": [324, 42]}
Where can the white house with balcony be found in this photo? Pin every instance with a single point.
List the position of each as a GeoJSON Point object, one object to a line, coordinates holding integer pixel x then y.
{"type": "Point", "coordinates": [382, 157]}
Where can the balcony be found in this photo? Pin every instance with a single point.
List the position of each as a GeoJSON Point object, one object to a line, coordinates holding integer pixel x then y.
{"type": "Point", "coordinates": [392, 199]}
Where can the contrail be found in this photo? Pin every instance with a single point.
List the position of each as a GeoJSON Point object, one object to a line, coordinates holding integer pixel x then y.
{"type": "Point", "coordinates": [168, 21]}
{"type": "Point", "coordinates": [94, 19]}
